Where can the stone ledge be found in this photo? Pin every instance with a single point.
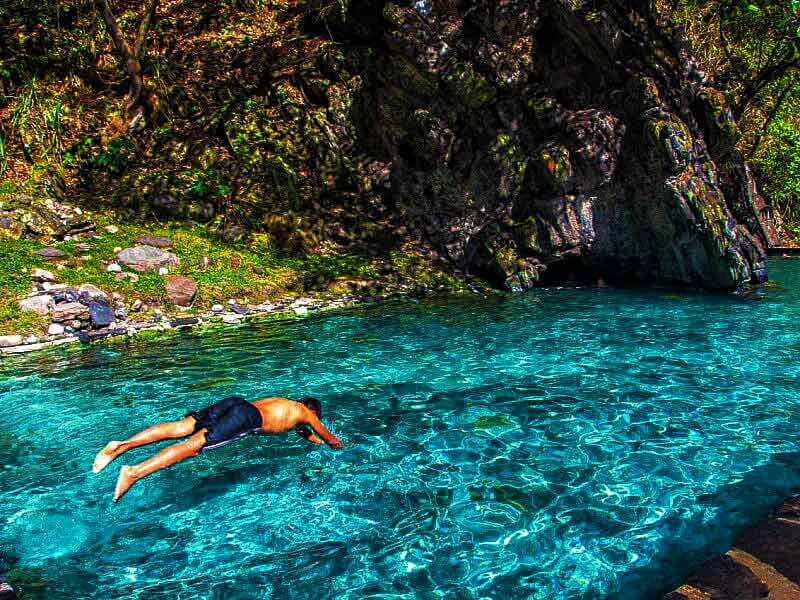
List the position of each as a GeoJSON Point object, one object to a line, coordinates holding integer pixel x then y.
{"type": "Point", "coordinates": [764, 563]}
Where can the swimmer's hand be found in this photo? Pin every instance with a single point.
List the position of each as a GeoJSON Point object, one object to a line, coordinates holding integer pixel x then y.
{"type": "Point", "coordinates": [314, 439]}
{"type": "Point", "coordinates": [336, 443]}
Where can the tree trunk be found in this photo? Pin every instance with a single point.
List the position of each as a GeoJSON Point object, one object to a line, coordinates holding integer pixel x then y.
{"type": "Point", "coordinates": [131, 59]}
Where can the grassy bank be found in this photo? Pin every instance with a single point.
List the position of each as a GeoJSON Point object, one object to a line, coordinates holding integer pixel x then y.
{"type": "Point", "coordinates": [250, 271]}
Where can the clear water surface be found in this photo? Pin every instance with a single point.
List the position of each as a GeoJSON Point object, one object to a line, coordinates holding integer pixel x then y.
{"type": "Point", "coordinates": [565, 443]}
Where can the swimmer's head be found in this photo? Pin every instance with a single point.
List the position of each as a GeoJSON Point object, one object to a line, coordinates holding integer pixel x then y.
{"type": "Point", "coordinates": [313, 404]}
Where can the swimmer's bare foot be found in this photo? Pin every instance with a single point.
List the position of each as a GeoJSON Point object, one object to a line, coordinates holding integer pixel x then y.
{"type": "Point", "coordinates": [124, 482]}
{"type": "Point", "coordinates": [105, 456]}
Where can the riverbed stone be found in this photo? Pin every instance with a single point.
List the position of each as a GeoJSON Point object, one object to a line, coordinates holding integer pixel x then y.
{"type": "Point", "coordinates": [69, 311]}
{"type": "Point", "coordinates": [42, 304]}
{"type": "Point", "coordinates": [101, 315]}
{"type": "Point", "coordinates": [7, 341]}
{"type": "Point", "coordinates": [114, 268]}
{"type": "Point", "coordinates": [55, 329]}
{"type": "Point", "coordinates": [146, 258]}
{"type": "Point", "coordinates": [92, 292]}
{"type": "Point", "coordinates": [181, 290]}
{"type": "Point", "coordinates": [217, 308]}
{"type": "Point", "coordinates": [66, 295]}
{"type": "Point", "coordinates": [42, 276]}
{"type": "Point", "coordinates": [155, 241]}
{"type": "Point", "coordinates": [51, 253]}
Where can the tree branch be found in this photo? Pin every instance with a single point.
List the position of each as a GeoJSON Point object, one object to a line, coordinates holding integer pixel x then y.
{"type": "Point", "coordinates": [771, 116]}
{"type": "Point", "coordinates": [144, 27]}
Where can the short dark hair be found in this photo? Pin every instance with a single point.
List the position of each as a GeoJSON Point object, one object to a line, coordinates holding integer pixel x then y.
{"type": "Point", "coordinates": [313, 404]}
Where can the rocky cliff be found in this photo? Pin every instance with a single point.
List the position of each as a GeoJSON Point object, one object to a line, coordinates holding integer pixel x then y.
{"type": "Point", "coordinates": [521, 140]}
{"type": "Point", "coordinates": [536, 140]}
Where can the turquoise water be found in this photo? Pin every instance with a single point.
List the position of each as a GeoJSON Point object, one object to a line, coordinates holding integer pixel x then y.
{"type": "Point", "coordinates": [565, 443]}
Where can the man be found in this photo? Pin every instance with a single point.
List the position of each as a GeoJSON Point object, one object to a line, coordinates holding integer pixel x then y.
{"type": "Point", "coordinates": [215, 426]}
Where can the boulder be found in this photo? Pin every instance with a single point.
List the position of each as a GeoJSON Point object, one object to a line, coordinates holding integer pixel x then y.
{"type": "Point", "coordinates": [155, 241]}
{"type": "Point", "coordinates": [181, 290]}
{"type": "Point", "coordinates": [70, 311]}
{"type": "Point", "coordinates": [7, 341]}
{"type": "Point", "coordinates": [39, 304]}
{"type": "Point", "coordinates": [101, 315]}
{"type": "Point", "coordinates": [146, 258]}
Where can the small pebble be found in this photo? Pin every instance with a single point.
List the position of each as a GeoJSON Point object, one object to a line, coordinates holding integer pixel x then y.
{"type": "Point", "coordinates": [55, 329]}
{"type": "Point", "coordinates": [31, 339]}
{"type": "Point", "coordinates": [217, 308]}
{"type": "Point", "coordinates": [114, 268]}
{"type": "Point", "coordinates": [112, 229]}
{"type": "Point", "coordinates": [163, 271]}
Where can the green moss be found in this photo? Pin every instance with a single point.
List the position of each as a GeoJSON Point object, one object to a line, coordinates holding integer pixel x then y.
{"type": "Point", "coordinates": [490, 421]}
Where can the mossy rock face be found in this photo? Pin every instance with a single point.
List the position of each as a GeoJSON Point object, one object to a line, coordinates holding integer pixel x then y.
{"type": "Point", "coordinates": [672, 142]}
{"type": "Point", "coordinates": [497, 137]}
{"type": "Point", "coordinates": [553, 166]}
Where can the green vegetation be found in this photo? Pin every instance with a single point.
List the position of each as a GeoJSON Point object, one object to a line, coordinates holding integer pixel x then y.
{"type": "Point", "coordinates": [751, 50]}
{"type": "Point", "coordinates": [251, 271]}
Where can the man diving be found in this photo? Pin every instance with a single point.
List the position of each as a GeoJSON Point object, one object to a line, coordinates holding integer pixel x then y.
{"type": "Point", "coordinates": [215, 426]}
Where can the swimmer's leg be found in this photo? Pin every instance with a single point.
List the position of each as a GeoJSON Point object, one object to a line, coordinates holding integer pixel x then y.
{"type": "Point", "coordinates": [156, 433]}
{"type": "Point", "coordinates": [167, 457]}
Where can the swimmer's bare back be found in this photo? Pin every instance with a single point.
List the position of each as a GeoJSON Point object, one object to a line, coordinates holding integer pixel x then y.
{"type": "Point", "coordinates": [281, 414]}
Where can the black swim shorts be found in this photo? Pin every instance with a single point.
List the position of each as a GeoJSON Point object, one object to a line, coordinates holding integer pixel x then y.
{"type": "Point", "coordinates": [227, 420]}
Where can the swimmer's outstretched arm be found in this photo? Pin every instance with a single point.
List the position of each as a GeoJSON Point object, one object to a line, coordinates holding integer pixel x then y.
{"type": "Point", "coordinates": [326, 435]}
{"type": "Point", "coordinates": [305, 432]}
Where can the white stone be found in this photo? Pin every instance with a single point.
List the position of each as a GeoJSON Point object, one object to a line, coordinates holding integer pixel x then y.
{"type": "Point", "coordinates": [117, 249]}
{"type": "Point", "coordinates": [114, 268]}
{"type": "Point", "coordinates": [217, 308]}
{"type": "Point", "coordinates": [163, 271]}
{"type": "Point", "coordinates": [55, 329]}
{"type": "Point", "coordinates": [300, 311]}
{"type": "Point", "coordinates": [112, 229]}
{"type": "Point", "coordinates": [6, 341]}
{"type": "Point", "coordinates": [231, 301]}
{"type": "Point", "coordinates": [232, 319]}
{"type": "Point", "coordinates": [31, 339]}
